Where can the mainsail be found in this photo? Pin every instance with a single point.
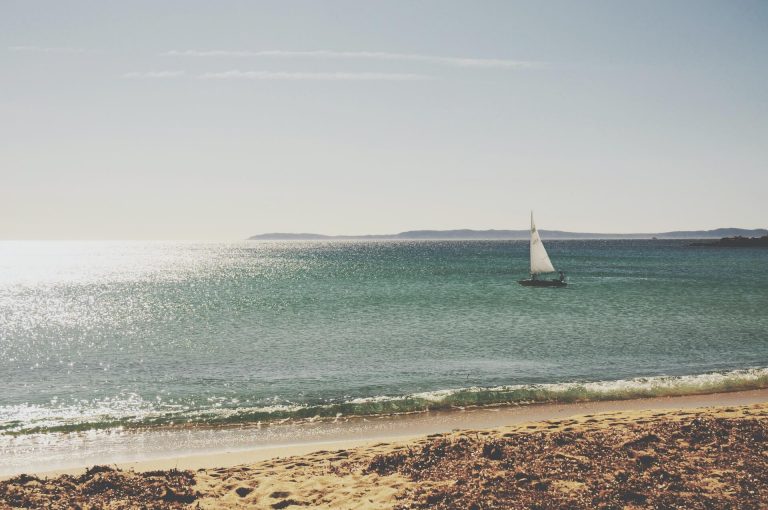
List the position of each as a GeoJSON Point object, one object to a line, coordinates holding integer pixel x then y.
{"type": "Point", "coordinates": [540, 262]}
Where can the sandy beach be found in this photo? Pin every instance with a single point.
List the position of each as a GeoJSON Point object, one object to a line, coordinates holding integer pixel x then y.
{"type": "Point", "coordinates": [705, 451]}
{"type": "Point", "coordinates": [385, 255]}
{"type": "Point", "coordinates": [205, 447]}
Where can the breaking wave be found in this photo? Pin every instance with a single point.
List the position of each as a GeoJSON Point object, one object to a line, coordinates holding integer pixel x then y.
{"type": "Point", "coordinates": [26, 419]}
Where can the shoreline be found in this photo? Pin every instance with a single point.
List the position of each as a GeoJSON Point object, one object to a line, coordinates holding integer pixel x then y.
{"type": "Point", "coordinates": [660, 457]}
{"type": "Point", "coordinates": [468, 397]}
{"type": "Point", "coordinates": [225, 447]}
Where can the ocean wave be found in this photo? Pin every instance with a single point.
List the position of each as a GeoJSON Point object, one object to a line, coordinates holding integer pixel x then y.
{"type": "Point", "coordinates": [27, 419]}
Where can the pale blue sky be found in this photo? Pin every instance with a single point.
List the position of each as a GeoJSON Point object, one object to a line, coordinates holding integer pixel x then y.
{"type": "Point", "coordinates": [218, 120]}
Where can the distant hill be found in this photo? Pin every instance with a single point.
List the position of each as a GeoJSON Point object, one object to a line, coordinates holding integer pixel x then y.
{"type": "Point", "coordinates": [519, 234]}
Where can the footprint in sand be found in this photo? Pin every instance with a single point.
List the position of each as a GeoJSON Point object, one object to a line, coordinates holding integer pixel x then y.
{"type": "Point", "coordinates": [243, 491]}
{"type": "Point", "coordinates": [286, 503]}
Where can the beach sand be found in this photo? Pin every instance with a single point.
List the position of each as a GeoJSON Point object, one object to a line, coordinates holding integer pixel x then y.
{"type": "Point", "coordinates": [664, 456]}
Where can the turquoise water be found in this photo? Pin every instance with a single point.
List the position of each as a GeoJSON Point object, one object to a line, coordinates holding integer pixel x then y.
{"type": "Point", "coordinates": [107, 334]}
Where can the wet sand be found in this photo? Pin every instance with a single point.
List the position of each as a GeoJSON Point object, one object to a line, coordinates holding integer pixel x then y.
{"type": "Point", "coordinates": [238, 445]}
{"type": "Point", "coordinates": [644, 453]}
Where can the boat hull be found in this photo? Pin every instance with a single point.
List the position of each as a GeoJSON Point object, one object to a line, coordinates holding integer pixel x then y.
{"type": "Point", "coordinates": [541, 283]}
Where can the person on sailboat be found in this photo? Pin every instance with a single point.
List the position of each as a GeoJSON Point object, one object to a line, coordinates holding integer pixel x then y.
{"type": "Point", "coordinates": [562, 276]}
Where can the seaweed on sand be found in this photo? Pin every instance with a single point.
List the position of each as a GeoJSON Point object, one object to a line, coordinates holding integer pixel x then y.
{"type": "Point", "coordinates": [695, 463]}
{"type": "Point", "coordinates": [101, 487]}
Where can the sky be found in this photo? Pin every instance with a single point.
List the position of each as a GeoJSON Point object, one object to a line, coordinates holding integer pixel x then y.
{"type": "Point", "coordinates": [220, 120]}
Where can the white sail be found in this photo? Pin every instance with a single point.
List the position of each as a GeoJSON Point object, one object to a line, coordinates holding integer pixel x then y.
{"type": "Point", "coordinates": [540, 262]}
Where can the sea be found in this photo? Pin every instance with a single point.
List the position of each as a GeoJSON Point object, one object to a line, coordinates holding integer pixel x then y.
{"type": "Point", "coordinates": [110, 337]}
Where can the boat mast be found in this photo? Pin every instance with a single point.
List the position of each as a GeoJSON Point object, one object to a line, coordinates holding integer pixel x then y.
{"type": "Point", "coordinates": [530, 248]}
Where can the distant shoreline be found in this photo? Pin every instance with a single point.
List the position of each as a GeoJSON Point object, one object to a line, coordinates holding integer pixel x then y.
{"type": "Point", "coordinates": [736, 242]}
{"type": "Point", "coordinates": [489, 235]}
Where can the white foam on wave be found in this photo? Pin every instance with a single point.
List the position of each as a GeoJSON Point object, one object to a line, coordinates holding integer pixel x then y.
{"type": "Point", "coordinates": [712, 380]}
{"type": "Point", "coordinates": [131, 409]}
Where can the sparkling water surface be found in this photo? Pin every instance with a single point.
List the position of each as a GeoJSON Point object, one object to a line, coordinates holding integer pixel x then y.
{"type": "Point", "coordinates": [106, 334]}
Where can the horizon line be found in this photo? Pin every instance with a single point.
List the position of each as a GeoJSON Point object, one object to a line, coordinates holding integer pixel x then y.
{"type": "Point", "coordinates": [478, 233]}
{"type": "Point", "coordinates": [380, 236]}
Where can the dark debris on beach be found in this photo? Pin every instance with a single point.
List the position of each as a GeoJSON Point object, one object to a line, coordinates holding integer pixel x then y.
{"type": "Point", "coordinates": [101, 487]}
{"type": "Point", "coordinates": [701, 463]}
{"type": "Point", "coordinates": [667, 460]}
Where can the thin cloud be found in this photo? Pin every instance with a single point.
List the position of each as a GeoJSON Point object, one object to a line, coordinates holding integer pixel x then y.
{"type": "Point", "coordinates": [49, 49]}
{"type": "Point", "coordinates": [370, 55]}
{"type": "Point", "coordinates": [268, 75]}
{"type": "Point", "coordinates": [154, 74]}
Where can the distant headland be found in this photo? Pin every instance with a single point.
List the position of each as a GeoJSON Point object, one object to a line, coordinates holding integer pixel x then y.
{"type": "Point", "coordinates": [737, 242]}
{"type": "Point", "coordinates": [468, 234]}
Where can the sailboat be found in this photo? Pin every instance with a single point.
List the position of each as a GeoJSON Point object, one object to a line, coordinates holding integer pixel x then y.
{"type": "Point", "coordinates": [540, 263]}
